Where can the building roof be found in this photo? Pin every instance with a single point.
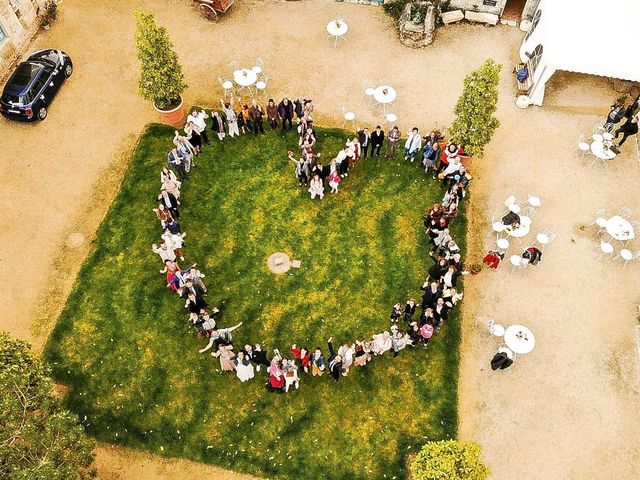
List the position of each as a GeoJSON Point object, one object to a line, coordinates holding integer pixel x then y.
{"type": "Point", "coordinates": [599, 37]}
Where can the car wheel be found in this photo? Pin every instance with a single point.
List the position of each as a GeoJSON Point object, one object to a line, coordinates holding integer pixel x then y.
{"type": "Point", "coordinates": [42, 113]}
{"type": "Point", "coordinates": [68, 71]}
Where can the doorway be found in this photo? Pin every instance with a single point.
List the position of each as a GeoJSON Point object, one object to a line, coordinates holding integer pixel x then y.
{"type": "Point", "coordinates": [513, 11]}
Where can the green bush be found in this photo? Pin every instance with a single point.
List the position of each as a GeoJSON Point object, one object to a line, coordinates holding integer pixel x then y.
{"type": "Point", "coordinates": [38, 440]}
{"type": "Point", "coordinates": [449, 460]}
{"type": "Point", "coordinates": [475, 124]}
{"type": "Point", "coordinates": [161, 78]}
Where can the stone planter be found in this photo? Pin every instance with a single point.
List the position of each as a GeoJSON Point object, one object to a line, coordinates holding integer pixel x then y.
{"type": "Point", "coordinates": [417, 35]}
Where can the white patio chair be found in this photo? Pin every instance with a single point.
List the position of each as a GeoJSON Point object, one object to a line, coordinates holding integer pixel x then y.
{"type": "Point", "coordinates": [518, 262]}
{"type": "Point", "coordinates": [625, 212]}
{"type": "Point", "coordinates": [511, 200]}
{"type": "Point", "coordinates": [626, 255]}
{"type": "Point", "coordinates": [599, 129]}
{"type": "Point", "coordinates": [227, 86]}
{"type": "Point", "coordinates": [348, 117]}
{"type": "Point", "coordinates": [234, 65]}
{"type": "Point", "coordinates": [368, 89]}
{"type": "Point", "coordinates": [600, 220]}
{"type": "Point", "coordinates": [498, 227]}
{"type": "Point", "coordinates": [261, 86]}
{"type": "Point", "coordinates": [605, 248]}
{"type": "Point", "coordinates": [583, 146]}
{"type": "Point", "coordinates": [260, 63]}
{"type": "Point", "coordinates": [391, 117]}
{"type": "Point", "coordinates": [504, 349]}
{"type": "Point", "coordinates": [502, 243]}
{"type": "Point", "coordinates": [495, 329]}
{"type": "Point", "coordinates": [534, 201]}
{"type": "Point", "coordinates": [544, 238]}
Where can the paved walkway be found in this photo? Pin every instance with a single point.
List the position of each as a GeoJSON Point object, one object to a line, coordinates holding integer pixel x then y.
{"type": "Point", "coordinates": [567, 411]}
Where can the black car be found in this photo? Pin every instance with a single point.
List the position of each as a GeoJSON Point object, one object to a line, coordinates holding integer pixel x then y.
{"type": "Point", "coordinates": [33, 85]}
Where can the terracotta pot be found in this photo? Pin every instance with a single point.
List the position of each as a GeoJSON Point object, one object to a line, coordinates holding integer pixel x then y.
{"type": "Point", "coordinates": [172, 117]}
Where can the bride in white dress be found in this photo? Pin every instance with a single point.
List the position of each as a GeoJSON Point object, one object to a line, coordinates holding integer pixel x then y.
{"type": "Point", "coordinates": [244, 367]}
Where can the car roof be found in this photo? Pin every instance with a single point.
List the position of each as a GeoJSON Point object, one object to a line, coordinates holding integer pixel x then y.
{"type": "Point", "coordinates": [24, 75]}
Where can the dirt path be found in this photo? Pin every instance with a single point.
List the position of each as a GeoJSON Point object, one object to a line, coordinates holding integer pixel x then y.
{"type": "Point", "coordinates": [563, 411]}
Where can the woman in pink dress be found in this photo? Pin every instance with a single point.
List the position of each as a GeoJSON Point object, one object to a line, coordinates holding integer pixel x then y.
{"type": "Point", "coordinates": [226, 356]}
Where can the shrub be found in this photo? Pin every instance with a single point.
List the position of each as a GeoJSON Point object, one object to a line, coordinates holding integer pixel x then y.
{"type": "Point", "coordinates": [161, 78]}
{"type": "Point", "coordinates": [38, 440]}
{"type": "Point", "coordinates": [475, 124]}
{"type": "Point", "coordinates": [449, 460]}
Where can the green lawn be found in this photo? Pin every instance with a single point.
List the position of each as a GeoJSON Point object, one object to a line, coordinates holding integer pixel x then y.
{"type": "Point", "coordinates": [123, 346]}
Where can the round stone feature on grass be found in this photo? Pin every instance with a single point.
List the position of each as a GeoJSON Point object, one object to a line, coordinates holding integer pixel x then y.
{"type": "Point", "coordinates": [279, 263]}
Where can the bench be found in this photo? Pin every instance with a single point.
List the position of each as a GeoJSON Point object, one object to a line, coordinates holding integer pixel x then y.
{"type": "Point", "coordinates": [523, 87]}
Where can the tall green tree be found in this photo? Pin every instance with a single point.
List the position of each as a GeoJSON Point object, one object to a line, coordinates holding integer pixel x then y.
{"type": "Point", "coordinates": [449, 460]}
{"type": "Point", "coordinates": [38, 439]}
{"type": "Point", "coordinates": [475, 124]}
{"type": "Point", "coordinates": [161, 78]}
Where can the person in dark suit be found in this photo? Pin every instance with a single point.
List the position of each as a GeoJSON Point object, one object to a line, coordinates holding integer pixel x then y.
{"type": "Point", "coordinates": [441, 313]}
{"type": "Point", "coordinates": [256, 113]}
{"type": "Point", "coordinates": [377, 139]}
{"type": "Point", "coordinates": [285, 111]}
{"type": "Point", "coordinates": [432, 292]}
{"type": "Point", "coordinates": [438, 270]}
{"type": "Point", "coordinates": [364, 137]}
{"type": "Point", "coordinates": [335, 362]}
{"type": "Point", "coordinates": [189, 287]}
{"type": "Point", "coordinates": [257, 355]}
{"type": "Point", "coordinates": [170, 202]}
{"type": "Point", "coordinates": [194, 304]}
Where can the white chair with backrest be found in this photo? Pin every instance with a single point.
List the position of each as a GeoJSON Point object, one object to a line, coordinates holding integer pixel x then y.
{"type": "Point", "coordinates": [260, 64]}
{"type": "Point", "coordinates": [534, 201]}
{"type": "Point", "coordinates": [600, 220]}
{"type": "Point", "coordinates": [625, 212]}
{"type": "Point", "coordinates": [506, 350]}
{"type": "Point", "coordinates": [599, 129]}
{"type": "Point", "coordinates": [498, 227]}
{"type": "Point", "coordinates": [368, 89]}
{"type": "Point", "coordinates": [227, 86]}
{"type": "Point", "coordinates": [544, 238]}
{"type": "Point", "coordinates": [518, 262]}
{"type": "Point", "coordinates": [502, 243]}
{"type": "Point", "coordinates": [626, 255]}
{"type": "Point", "coordinates": [583, 146]}
{"type": "Point", "coordinates": [348, 117]}
{"type": "Point", "coordinates": [261, 86]}
{"type": "Point", "coordinates": [495, 329]}
{"type": "Point", "coordinates": [391, 117]}
{"type": "Point", "coordinates": [234, 65]}
{"type": "Point", "coordinates": [605, 248]}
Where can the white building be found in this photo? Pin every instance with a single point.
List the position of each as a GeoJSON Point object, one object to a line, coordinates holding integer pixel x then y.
{"type": "Point", "coordinates": [585, 36]}
{"type": "Point", "coordinates": [19, 21]}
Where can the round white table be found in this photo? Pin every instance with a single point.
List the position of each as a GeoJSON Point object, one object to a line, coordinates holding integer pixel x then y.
{"type": "Point", "coordinates": [602, 152]}
{"type": "Point", "coordinates": [523, 230]}
{"type": "Point", "coordinates": [384, 95]}
{"type": "Point", "coordinates": [620, 229]}
{"type": "Point", "coordinates": [337, 29]}
{"type": "Point", "coordinates": [519, 339]}
{"type": "Point", "coordinates": [245, 77]}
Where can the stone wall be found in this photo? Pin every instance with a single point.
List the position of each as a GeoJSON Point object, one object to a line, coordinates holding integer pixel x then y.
{"type": "Point", "coordinates": [530, 9]}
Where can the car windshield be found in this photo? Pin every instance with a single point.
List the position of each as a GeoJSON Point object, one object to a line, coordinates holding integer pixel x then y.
{"type": "Point", "coordinates": [24, 74]}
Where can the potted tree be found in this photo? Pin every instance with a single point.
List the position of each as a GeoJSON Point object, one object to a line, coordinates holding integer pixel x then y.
{"type": "Point", "coordinates": [161, 78]}
{"type": "Point", "coordinates": [50, 13]}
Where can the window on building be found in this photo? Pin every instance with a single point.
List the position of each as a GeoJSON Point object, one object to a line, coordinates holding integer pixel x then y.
{"type": "Point", "coordinates": [3, 34]}
{"type": "Point", "coordinates": [534, 24]}
{"type": "Point", "coordinates": [535, 58]}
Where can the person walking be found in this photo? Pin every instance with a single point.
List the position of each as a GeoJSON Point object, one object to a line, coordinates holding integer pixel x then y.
{"type": "Point", "coordinates": [377, 139]}
{"type": "Point", "coordinates": [393, 138]}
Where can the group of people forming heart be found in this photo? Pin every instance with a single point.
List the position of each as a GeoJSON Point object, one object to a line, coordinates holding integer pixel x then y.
{"type": "Point", "coordinates": [408, 327]}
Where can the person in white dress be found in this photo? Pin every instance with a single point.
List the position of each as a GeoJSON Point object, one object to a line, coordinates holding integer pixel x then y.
{"type": "Point", "coordinates": [316, 188]}
{"type": "Point", "coordinates": [232, 118]}
{"type": "Point", "coordinates": [381, 343]}
{"type": "Point", "coordinates": [412, 145]}
{"type": "Point", "coordinates": [346, 351]}
{"type": "Point", "coordinates": [244, 367]}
